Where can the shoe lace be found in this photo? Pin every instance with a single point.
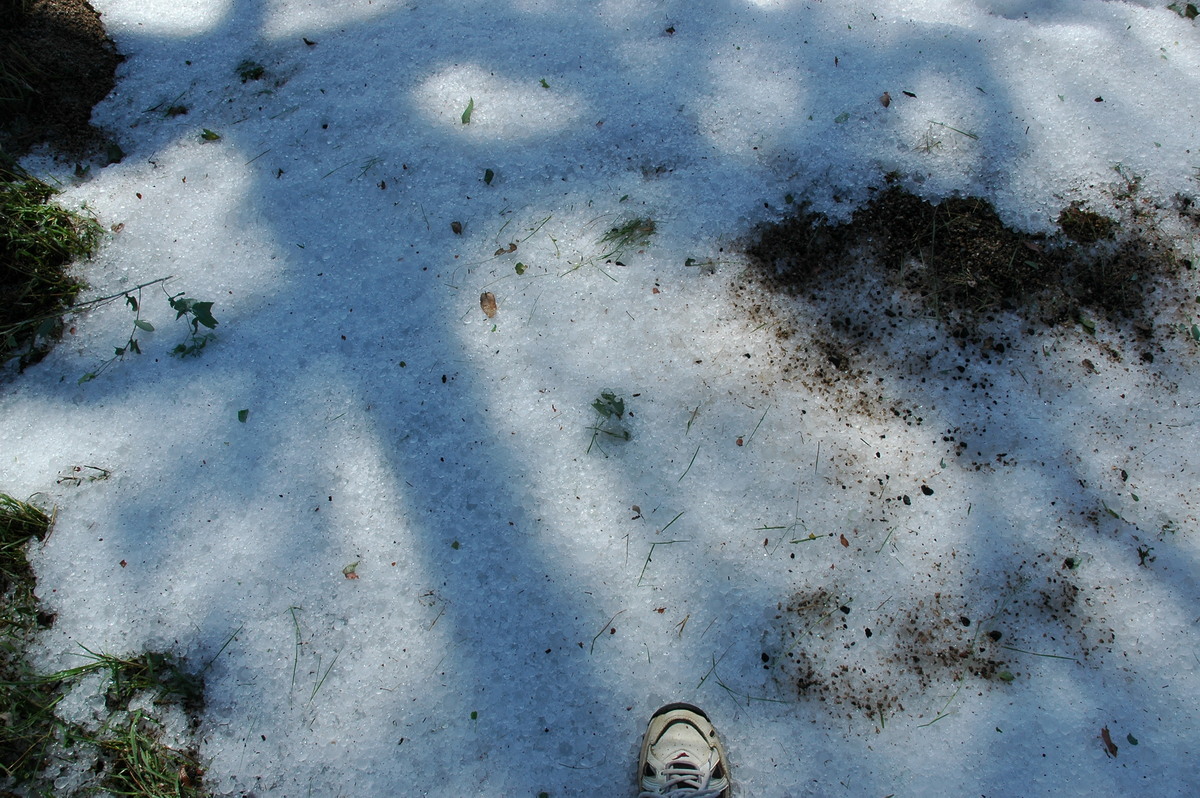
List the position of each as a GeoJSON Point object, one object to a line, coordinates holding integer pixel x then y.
{"type": "Point", "coordinates": [684, 777]}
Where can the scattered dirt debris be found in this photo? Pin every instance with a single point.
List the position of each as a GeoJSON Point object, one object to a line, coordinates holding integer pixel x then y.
{"type": "Point", "coordinates": [929, 644]}
{"type": "Point", "coordinates": [891, 659]}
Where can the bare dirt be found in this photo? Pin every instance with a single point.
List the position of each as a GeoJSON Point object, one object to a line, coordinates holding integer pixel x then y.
{"type": "Point", "coordinates": [56, 63]}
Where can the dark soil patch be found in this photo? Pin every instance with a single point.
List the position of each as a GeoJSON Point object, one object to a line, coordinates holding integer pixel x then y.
{"type": "Point", "coordinates": [959, 257]}
{"type": "Point", "coordinates": [1085, 227]}
{"type": "Point", "coordinates": [56, 62]}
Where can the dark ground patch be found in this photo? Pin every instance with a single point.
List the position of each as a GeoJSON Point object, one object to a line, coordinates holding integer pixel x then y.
{"type": "Point", "coordinates": [958, 256]}
{"type": "Point", "coordinates": [56, 62]}
{"type": "Point", "coordinates": [940, 292]}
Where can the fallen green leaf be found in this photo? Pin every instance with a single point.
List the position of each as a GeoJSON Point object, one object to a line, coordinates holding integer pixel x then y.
{"type": "Point", "coordinates": [488, 176]}
{"type": "Point", "coordinates": [243, 415]}
{"type": "Point", "coordinates": [209, 135]}
{"type": "Point", "coordinates": [519, 268]}
{"type": "Point", "coordinates": [466, 115]}
{"type": "Point", "coordinates": [1185, 10]}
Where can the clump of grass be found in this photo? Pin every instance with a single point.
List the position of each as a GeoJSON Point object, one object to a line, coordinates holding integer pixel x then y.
{"type": "Point", "coordinates": [30, 727]}
{"type": "Point", "coordinates": [56, 62]}
{"type": "Point", "coordinates": [18, 74]}
{"type": "Point", "coordinates": [20, 522]}
{"type": "Point", "coordinates": [38, 242]}
{"type": "Point", "coordinates": [132, 757]}
{"type": "Point", "coordinates": [163, 674]}
{"type": "Point", "coordinates": [26, 703]}
{"type": "Point", "coordinates": [632, 234]}
{"type": "Point", "coordinates": [140, 764]}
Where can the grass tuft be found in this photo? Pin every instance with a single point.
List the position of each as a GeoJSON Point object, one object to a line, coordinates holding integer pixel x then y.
{"type": "Point", "coordinates": [26, 703]}
{"type": "Point", "coordinates": [139, 764]}
{"type": "Point", "coordinates": [631, 234]}
{"type": "Point", "coordinates": [132, 758]}
{"type": "Point", "coordinates": [38, 242]}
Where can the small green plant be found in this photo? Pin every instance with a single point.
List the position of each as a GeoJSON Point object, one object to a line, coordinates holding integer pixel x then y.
{"type": "Point", "coordinates": [250, 70]}
{"type": "Point", "coordinates": [610, 410]}
{"type": "Point", "coordinates": [1185, 10]}
{"type": "Point", "coordinates": [130, 345]}
{"type": "Point", "coordinates": [1191, 331]}
{"type": "Point", "coordinates": [198, 314]}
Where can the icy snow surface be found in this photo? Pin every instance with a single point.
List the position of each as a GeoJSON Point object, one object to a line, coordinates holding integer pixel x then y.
{"type": "Point", "coordinates": [522, 603]}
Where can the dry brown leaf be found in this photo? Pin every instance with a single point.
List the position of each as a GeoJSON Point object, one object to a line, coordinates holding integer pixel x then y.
{"type": "Point", "coordinates": [885, 99]}
{"type": "Point", "coordinates": [845, 542]}
{"type": "Point", "coordinates": [1110, 747]}
{"type": "Point", "coordinates": [456, 227]}
{"type": "Point", "coordinates": [487, 301]}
